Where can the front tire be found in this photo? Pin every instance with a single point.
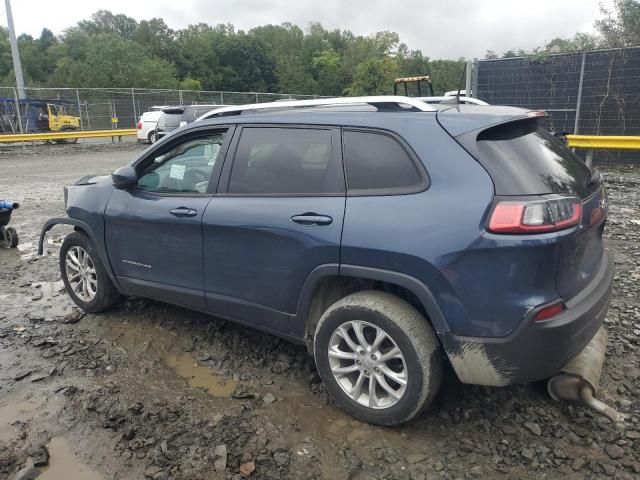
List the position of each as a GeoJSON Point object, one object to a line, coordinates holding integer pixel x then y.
{"type": "Point", "coordinates": [378, 357]}
{"type": "Point", "coordinates": [152, 137]}
{"type": "Point", "coordinates": [84, 276]}
{"type": "Point", "coordinates": [67, 140]}
{"type": "Point", "coordinates": [12, 237]}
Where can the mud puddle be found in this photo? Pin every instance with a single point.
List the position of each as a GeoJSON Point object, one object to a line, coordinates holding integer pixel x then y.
{"type": "Point", "coordinates": [199, 376]}
{"type": "Point", "coordinates": [64, 465]}
{"type": "Point", "coordinates": [15, 410]}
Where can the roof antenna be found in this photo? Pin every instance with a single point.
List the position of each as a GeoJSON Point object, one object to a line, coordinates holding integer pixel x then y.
{"type": "Point", "coordinates": [464, 71]}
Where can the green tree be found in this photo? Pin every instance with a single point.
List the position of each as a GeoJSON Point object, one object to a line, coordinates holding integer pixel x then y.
{"type": "Point", "coordinates": [620, 27]}
{"type": "Point", "coordinates": [108, 60]}
{"type": "Point", "coordinates": [446, 75]}
{"type": "Point", "coordinates": [328, 72]}
{"type": "Point", "coordinates": [374, 77]}
{"type": "Point", "coordinates": [292, 66]}
{"type": "Point", "coordinates": [103, 21]}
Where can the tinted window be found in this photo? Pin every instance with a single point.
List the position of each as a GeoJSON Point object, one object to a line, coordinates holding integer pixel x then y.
{"type": "Point", "coordinates": [524, 159]}
{"type": "Point", "coordinates": [375, 161]}
{"type": "Point", "coordinates": [185, 168]}
{"type": "Point", "coordinates": [285, 161]}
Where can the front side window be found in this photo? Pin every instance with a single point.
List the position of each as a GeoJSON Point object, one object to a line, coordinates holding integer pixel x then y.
{"type": "Point", "coordinates": [185, 168]}
{"type": "Point", "coordinates": [377, 162]}
{"type": "Point", "coordinates": [276, 161]}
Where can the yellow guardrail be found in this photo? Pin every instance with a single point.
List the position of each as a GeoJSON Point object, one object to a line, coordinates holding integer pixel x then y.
{"type": "Point", "coordinates": [604, 142]}
{"type": "Point", "coordinates": [35, 137]}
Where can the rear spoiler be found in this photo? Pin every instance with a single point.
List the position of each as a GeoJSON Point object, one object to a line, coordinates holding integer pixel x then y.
{"type": "Point", "coordinates": [174, 110]}
{"type": "Point", "coordinates": [462, 119]}
{"type": "Point", "coordinates": [468, 138]}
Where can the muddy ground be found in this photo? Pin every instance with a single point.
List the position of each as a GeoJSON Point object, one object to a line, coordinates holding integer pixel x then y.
{"type": "Point", "coordinates": [155, 391]}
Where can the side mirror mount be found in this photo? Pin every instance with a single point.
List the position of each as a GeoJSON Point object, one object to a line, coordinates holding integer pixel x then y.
{"type": "Point", "coordinates": [124, 177]}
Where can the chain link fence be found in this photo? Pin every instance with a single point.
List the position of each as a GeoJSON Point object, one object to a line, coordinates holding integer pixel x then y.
{"type": "Point", "coordinates": [588, 93]}
{"type": "Point", "coordinates": [108, 108]}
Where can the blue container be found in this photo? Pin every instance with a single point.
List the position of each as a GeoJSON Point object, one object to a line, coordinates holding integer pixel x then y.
{"type": "Point", "coordinates": [8, 204]}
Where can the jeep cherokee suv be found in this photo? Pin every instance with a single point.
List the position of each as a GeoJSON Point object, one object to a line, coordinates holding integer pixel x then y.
{"type": "Point", "coordinates": [389, 235]}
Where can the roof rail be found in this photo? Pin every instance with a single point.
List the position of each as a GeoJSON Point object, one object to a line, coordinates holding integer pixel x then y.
{"type": "Point", "coordinates": [381, 102]}
{"type": "Point", "coordinates": [453, 99]}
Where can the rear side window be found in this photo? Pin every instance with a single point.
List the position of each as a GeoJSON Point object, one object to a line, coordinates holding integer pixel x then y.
{"type": "Point", "coordinates": [272, 161]}
{"type": "Point", "coordinates": [375, 162]}
{"type": "Point", "coordinates": [524, 159]}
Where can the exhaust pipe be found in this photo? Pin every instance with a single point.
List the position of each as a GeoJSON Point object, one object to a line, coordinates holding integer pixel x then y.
{"type": "Point", "coordinates": [578, 380]}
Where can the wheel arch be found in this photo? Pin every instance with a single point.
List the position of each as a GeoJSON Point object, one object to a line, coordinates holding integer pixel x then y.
{"type": "Point", "coordinates": [329, 283]}
{"type": "Point", "coordinates": [79, 226]}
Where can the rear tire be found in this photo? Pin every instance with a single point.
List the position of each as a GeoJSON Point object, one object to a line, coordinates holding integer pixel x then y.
{"type": "Point", "coordinates": [375, 337]}
{"type": "Point", "coordinates": [152, 136]}
{"type": "Point", "coordinates": [84, 276]}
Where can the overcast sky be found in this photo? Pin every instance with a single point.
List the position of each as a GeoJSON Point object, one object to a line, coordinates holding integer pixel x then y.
{"type": "Point", "coordinates": [441, 29]}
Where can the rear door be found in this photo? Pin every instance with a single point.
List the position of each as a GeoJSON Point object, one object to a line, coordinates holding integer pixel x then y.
{"type": "Point", "coordinates": [154, 230]}
{"type": "Point", "coordinates": [277, 216]}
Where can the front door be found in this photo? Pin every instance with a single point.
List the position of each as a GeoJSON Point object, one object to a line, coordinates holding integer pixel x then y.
{"type": "Point", "coordinates": [277, 216]}
{"type": "Point", "coordinates": [154, 231]}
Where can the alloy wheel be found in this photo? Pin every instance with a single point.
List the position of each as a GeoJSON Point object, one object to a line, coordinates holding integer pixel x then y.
{"type": "Point", "coordinates": [367, 364]}
{"type": "Point", "coordinates": [81, 273]}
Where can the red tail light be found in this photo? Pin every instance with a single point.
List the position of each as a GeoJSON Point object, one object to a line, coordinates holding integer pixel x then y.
{"type": "Point", "coordinates": [139, 125]}
{"type": "Point", "coordinates": [548, 312]}
{"type": "Point", "coordinates": [535, 216]}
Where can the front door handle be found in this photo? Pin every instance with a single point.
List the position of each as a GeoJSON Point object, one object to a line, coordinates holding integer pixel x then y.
{"type": "Point", "coordinates": [181, 212]}
{"type": "Point", "coordinates": [311, 219]}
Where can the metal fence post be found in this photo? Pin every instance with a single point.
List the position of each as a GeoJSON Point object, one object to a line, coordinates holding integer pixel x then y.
{"type": "Point", "coordinates": [467, 78]}
{"type": "Point", "coordinates": [86, 110]}
{"type": "Point", "coordinates": [135, 113]}
{"type": "Point", "coordinates": [589, 159]}
{"type": "Point", "coordinates": [221, 98]}
{"type": "Point", "coordinates": [576, 125]}
{"type": "Point", "coordinates": [257, 99]}
{"type": "Point", "coordinates": [17, 104]}
{"type": "Point", "coordinates": [180, 97]}
{"type": "Point", "coordinates": [474, 79]}
{"type": "Point", "coordinates": [79, 108]}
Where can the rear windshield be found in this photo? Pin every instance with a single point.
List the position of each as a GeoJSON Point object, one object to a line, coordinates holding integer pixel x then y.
{"type": "Point", "coordinates": [169, 119]}
{"type": "Point", "coordinates": [525, 159]}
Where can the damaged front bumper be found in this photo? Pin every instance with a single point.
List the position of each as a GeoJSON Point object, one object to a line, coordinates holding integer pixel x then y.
{"type": "Point", "coordinates": [534, 351]}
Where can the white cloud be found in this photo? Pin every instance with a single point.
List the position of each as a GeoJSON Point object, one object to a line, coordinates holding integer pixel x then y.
{"type": "Point", "coordinates": [443, 29]}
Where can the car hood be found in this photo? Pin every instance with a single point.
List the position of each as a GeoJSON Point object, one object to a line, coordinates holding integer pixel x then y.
{"type": "Point", "coordinates": [93, 180]}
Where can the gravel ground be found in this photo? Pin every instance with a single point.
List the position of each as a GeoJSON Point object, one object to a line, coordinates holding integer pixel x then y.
{"type": "Point", "coordinates": [155, 391]}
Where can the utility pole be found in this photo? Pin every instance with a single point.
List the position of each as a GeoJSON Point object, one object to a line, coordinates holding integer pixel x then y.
{"type": "Point", "coordinates": [17, 66]}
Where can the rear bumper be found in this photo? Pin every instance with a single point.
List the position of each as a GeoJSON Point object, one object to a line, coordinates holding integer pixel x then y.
{"type": "Point", "coordinates": [534, 351]}
{"type": "Point", "coordinates": [165, 131]}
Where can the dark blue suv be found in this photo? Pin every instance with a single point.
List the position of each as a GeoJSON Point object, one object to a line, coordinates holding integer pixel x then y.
{"type": "Point", "coordinates": [389, 235]}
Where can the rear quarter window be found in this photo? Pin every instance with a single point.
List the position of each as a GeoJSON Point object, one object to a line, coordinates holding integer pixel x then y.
{"type": "Point", "coordinates": [378, 163]}
{"type": "Point", "coordinates": [525, 159]}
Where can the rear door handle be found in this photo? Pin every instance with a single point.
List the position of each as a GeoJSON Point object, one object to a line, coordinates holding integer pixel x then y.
{"type": "Point", "coordinates": [183, 212]}
{"type": "Point", "coordinates": [311, 219]}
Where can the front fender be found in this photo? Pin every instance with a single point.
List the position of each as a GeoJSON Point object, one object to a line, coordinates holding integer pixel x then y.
{"type": "Point", "coordinates": [84, 227]}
